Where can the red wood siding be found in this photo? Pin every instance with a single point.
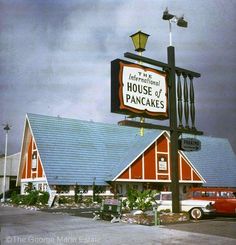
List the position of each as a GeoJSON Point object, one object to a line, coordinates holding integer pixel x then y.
{"type": "Point", "coordinates": [136, 169]}
{"type": "Point", "coordinates": [124, 175]}
{"type": "Point", "coordinates": [186, 170]}
{"type": "Point", "coordinates": [27, 167]}
{"type": "Point", "coordinates": [147, 166]}
{"type": "Point", "coordinates": [162, 144]}
{"type": "Point", "coordinates": [40, 169]}
{"type": "Point", "coordinates": [150, 163]}
{"type": "Point", "coordinates": [29, 159]}
{"type": "Point", "coordinates": [162, 152]}
{"type": "Point", "coordinates": [195, 177]}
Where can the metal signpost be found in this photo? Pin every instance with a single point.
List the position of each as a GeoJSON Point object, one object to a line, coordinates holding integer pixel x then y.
{"type": "Point", "coordinates": [177, 104]}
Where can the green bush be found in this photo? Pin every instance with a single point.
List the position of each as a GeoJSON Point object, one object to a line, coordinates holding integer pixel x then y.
{"type": "Point", "coordinates": [131, 196]}
{"type": "Point", "coordinates": [32, 198]}
{"type": "Point", "coordinates": [165, 210]}
{"type": "Point", "coordinates": [66, 199]}
{"type": "Point", "coordinates": [139, 199]}
{"type": "Point", "coordinates": [88, 201]}
{"type": "Point", "coordinates": [43, 198]}
{"type": "Point", "coordinates": [62, 200]}
{"type": "Point", "coordinates": [143, 201]}
{"type": "Point", "coordinates": [15, 198]}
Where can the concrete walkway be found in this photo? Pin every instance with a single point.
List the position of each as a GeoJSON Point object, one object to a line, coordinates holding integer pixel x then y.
{"type": "Point", "coordinates": [21, 226]}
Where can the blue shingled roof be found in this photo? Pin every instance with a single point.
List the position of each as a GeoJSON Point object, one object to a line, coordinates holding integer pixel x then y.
{"type": "Point", "coordinates": [216, 162]}
{"type": "Point", "coordinates": [77, 151]}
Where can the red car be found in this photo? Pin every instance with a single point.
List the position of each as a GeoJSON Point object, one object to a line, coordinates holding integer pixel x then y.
{"type": "Point", "coordinates": [225, 198]}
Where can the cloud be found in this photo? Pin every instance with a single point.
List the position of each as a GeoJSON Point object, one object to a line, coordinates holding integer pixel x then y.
{"type": "Point", "coordinates": [55, 57]}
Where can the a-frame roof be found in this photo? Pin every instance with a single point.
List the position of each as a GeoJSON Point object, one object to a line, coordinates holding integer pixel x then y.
{"type": "Point", "coordinates": [135, 150]}
{"type": "Point", "coordinates": [77, 151]}
{"type": "Point", "coordinates": [73, 151]}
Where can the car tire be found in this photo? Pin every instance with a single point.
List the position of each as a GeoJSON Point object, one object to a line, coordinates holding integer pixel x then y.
{"type": "Point", "coordinates": [196, 213]}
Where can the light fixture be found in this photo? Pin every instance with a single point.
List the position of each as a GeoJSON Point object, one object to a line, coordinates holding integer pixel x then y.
{"type": "Point", "coordinates": [181, 22]}
{"type": "Point", "coordinates": [167, 15]}
{"type": "Point", "coordinates": [173, 19]}
{"type": "Point", "coordinates": [6, 128]}
{"type": "Point", "coordinates": [139, 40]}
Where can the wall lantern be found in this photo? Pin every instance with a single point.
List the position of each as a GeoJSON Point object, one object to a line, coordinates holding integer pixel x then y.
{"type": "Point", "coordinates": [139, 40]}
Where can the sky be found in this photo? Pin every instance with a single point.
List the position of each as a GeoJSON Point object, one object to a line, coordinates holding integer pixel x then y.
{"type": "Point", "coordinates": [55, 58]}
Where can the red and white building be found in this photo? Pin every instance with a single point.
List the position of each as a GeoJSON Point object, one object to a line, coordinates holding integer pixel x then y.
{"type": "Point", "coordinates": [59, 153]}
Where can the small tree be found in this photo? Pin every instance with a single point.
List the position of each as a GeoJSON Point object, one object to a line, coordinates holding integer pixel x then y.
{"type": "Point", "coordinates": [140, 199]}
{"type": "Point", "coordinates": [76, 193]}
{"type": "Point", "coordinates": [29, 187]}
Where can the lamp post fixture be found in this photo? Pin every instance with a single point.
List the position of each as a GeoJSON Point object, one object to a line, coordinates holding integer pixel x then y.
{"type": "Point", "coordinates": [139, 40]}
{"type": "Point", "coordinates": [173, 19]}
{"type": "Point", "coordinates": [174, 134]}
{"type": "Point", "coordinates": [6, 128]}
{"type": "Point", "coordinates": [176, 127]}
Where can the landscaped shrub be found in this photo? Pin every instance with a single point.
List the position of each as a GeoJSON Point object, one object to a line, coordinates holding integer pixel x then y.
{"type": "Point", "coordinates": [66, 200]}
{"type": "Point", "coordinates": [139, 199]}
{"type": "Point", "coordinates": [32, 198]}
{"type": "Point", "coordinates": [15, 198]}
{"type": "Point", "coordinates": [9, 193]}
{"type": "Point", "coordinates": [62, 200]}
{"type": "Point", "coordinates": [88, 201]}
{"type": "Point", "coordinates": [144, 200]}
{"type": "Point", "coordinates": [131, 198]}
{"type": "Point", "coordinates": [43, 198]}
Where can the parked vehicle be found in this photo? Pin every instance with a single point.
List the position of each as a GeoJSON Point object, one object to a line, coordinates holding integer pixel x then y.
{"type": "Point", "coordinates": [197, 209]}
{"type": "Point", "coordinates": [224, 198]}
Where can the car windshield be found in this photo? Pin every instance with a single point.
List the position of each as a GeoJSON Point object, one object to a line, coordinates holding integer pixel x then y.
{"type": "Point", "coordinates": [166, 196]}
{"type": "Point", "coordinates": [163, 196]}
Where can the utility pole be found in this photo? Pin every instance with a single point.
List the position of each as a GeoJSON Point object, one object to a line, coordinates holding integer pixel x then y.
{"type": "Point", "coordinates": [6, 128]}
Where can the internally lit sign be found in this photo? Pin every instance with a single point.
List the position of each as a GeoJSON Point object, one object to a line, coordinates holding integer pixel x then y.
{"type": "Point", "coordinates": [138, 90]}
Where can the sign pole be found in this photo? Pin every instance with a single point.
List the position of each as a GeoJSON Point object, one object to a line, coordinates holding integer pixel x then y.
{"type": "Point", "coordinates": [130, 96]}
{"type": "Point", "coordinates": [174, 134]}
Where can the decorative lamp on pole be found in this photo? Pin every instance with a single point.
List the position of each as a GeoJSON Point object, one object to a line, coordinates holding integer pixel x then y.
{"type": "Point", "coordinates": [6, 128]}
{"type": "Point", "coordinates": [139, 40]}
{"type": "Point", "coordinates": [174, 94]}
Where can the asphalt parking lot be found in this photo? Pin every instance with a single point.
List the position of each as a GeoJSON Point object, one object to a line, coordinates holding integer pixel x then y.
{"type": "Point", "coordinates": [218, 226]}
{"type": "Point", "coordinates": [21, 226]}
